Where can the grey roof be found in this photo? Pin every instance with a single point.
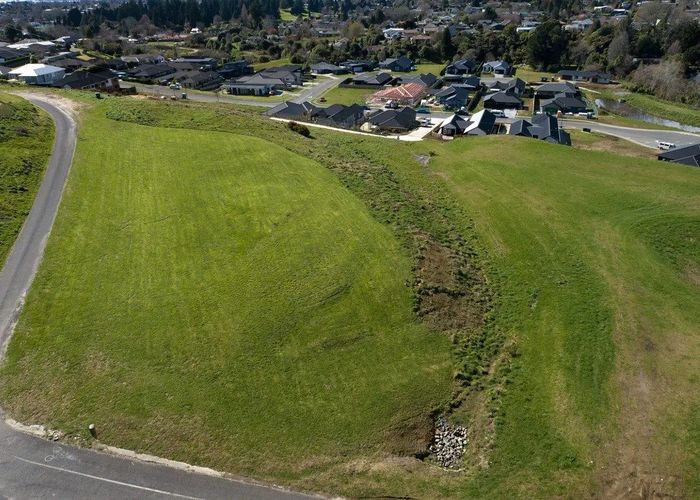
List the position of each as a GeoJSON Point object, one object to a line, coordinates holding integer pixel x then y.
{"type": "Point", "coordinates": [427, 79]}
{"type": "Point", "coordinates": [503, 98]}
{"type": "Point", "coordinates": [543, 126]}
{"type": "Point", "coordinates": [379, 79]}
{"type": "Point", "coordinates": [564, 102]}
{"type": "Point", "coordinates": [404, 118]}
{"type": "Point", "coordinates": [558, 88]}
{"type": "Point", "coordinates": [584, 74]}
{"type": "Point", "coordinates": [688, 155]}
{"type": "Point", "coordinates": [294, 110]}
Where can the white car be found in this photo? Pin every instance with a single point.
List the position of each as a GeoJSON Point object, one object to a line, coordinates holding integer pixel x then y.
{"type": "Point", "coordinates": [665, 146]}
{"type": "Point", "coordinates": [498, 113]}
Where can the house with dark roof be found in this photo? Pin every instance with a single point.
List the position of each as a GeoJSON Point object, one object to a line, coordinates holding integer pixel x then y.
{"type": "Point", "coordinates": [460, 68]}
{"type": "Point", "coordinates": [392, 120]}
{"type": "Point", "coordinates": [543, 127]}
{"type": "Point", "coordinates": [341, 116]}
{"type": "Point", "coordinates": [687, 155]}
{"type": "Point", "coordinates": [201, 63]}
{"type": "Point", "coordinates": [584, 76]}
{"type": "Point", "coordinates": [290, 74]}
{"type": "Point", "coordinates": [10, 56]}
{"type": "Point", "coordinates": [502, 100]}
{"type": "Point", "coordinates": [402, 63]}
{"type": "Point", "coordinates": [253, 85]}
{"type": "Point", "coordinates": [514, 86]}
{"type": "Point", "coordinates": [481, 123]}
{"type": "Point", "coordinates": [564, 104]}
{"type": "Point", "coordinates": [358, 65]}
{"type": "Point", "coordinates": [369, 81]}
{"type": "Point", "coordinates": [235, 69]}
{"type": "Point", "coordinates": [427, 79]}
{"type": "Point", "coordinates": [452, 97]}
{"type": "Point", "coordinates": [552, 89]}
{"type": "Point", "coordinates": [202, 80]}
{"type": "Point", "coordinates": [84, 80]}
{"type": "Point", "coordinates": [498, 68]}
{"type": "Point", "coordinates": [150, 72]}
{"type": "Point", "coordinates": [324, 68]}
{"type": "Point", "coordinates": [291, 110]}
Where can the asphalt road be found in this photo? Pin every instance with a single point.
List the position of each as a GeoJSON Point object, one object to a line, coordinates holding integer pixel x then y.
{"type": "Point", "coordinates": [35, 468]}
{"type": "Point", "coordinates": [640, 136]}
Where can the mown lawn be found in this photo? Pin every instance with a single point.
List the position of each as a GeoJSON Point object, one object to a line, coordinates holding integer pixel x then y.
{"type": "Point", "coordinates": [277, 339]}
{"type": "Point", "coordinates": [339, 95]}
{"type": "Point", "coordinates": [217, 299]}
{"type": "Point", "coordinates": [26, 137]}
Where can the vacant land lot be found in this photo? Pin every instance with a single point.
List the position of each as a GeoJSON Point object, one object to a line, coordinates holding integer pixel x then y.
{"type": "Point", "coordinates": [339, 95]}
{"type": "Point", "coordinates": [220, 299]}
{"type": "Point", "coordinates": [26, 135]}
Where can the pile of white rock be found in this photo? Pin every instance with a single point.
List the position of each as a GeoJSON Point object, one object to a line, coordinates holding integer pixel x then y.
{"type": "Point", "coordinates": [448, 443]}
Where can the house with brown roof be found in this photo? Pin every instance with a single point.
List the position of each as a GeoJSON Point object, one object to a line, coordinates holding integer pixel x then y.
{"type": "Point", "coordinates": [408, 94]}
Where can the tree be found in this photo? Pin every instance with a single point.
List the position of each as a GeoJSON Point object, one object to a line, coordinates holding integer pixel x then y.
{"type": "Point", "coordinates": [446, 46]}
{"type": "Point", "coordinates": [12, 33]}
{"type": "Point", "coordinates": [547, 45]}
{"type": "Point", "coordinates": [297, 8]}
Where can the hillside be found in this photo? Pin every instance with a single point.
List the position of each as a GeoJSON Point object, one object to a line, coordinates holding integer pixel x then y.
{"type": "Point", "coordinates": [26, 134]}
{"type": "Point", "coordinates": [226, 292]}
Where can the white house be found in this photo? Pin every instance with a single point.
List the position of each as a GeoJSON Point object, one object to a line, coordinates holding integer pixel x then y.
{"type": "Point", "coordinates": [38, 74]}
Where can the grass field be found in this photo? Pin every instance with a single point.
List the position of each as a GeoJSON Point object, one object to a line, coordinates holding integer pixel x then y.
{"type": "Point", "coordinates": [682, 113]}
{"type": "Point", "coordinates": [594, 141]}
{"type": "Point", "coordinates": [339, 95]}
{"type": "Point", "coordinates": [278, 338]}
{"type": "Point", "coordinates": [269, 64]}
{"type": "Point", "coordinates": [232, 304]}
{"type": "Point", "coordinates": [26, 136]}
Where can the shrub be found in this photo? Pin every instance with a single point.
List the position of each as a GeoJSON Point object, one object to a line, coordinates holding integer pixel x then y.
{"type": "Point", "coordinates": [299, 128]}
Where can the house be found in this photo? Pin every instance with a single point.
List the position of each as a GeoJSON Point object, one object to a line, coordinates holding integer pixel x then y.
{"type": "Point", "coordinates": [452, 97]}
{"type": "Point", "coordinates": [253, 85]}
{"type": "Point", "coordinates": [498, 68]}
{"type": "Point", "coordinates": [585, 76]}
{"type": "Point", "coordinates": [564, 104]}
{"type": "Point", "coordinates": [480, 123]}
{"type": "Point", "coordinates": [104, 80]}
{"type": "Point", "coordinates": [290, 74]}
{"type": "Point", "coordinates": [150, 72]}
{"type": "Point", "coordinates": [502, 100]}
{"type": "Point", "coordinates": [393, 33]}
{"type": "Point", "coordinates": [9, 56]}
{"type": "Point", "coordinates": [202, 80]}
{"type": "Point", "coordinates": [202, 63]}
{"type": "Point", "coordinates": [294, 111]}
{"type": "Point", "coordinates": [402, 63]}
{"type": "Point", "coordinates": [688, 155]}
{"type": "Point", "coordinates": [427, 79]}
{"type": "Point", "coordinates": [544, 127]}
{"type": "Point", "coordinates": [460, 68]}
{"type": "Point", "coordinates": [38, 74]}
{"type": "Point", "coordinates": [514, 86]}
{"type": "Point", "coordinates": [549, 90]}
{"type": "Point", "coordinates": [408, 94]}
{"type": "Point", "coordinates": [235, 69]}
{"type": "Point", "coordinates": [392, 120]}
{"type": "Point", "coordinates": [358, 66]}
{"type": "Point", "coordinates": [324, 68]}
{"type": "Point", "coordinates": [369, 81]}
{"type": "Point", "coordinates": [341, 116]}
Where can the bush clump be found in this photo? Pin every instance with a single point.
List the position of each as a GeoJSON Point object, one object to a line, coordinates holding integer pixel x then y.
{"type": "Point", "coordinates": [299, 128]}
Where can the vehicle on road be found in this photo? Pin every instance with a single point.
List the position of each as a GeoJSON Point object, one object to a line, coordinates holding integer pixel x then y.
{"type": "Point", "coordinates": [175, 86]}
{"type": "Point", "coordinates": [665, 146]}
{"type": "Point", "coordinates": [423, 110]}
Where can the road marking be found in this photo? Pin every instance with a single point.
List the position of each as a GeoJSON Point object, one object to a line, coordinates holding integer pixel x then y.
{"type": "Point", "coordinates": [104, 479]}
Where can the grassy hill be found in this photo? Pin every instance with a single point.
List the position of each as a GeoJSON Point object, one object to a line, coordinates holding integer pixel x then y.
{"type": "Point", "coordinates": [26, 135]}
{"type": "Point", "coordinates": [295, 310]}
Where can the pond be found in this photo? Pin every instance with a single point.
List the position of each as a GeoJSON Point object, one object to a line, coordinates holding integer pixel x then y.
{"type": "Point", "coordinates": [624, 109]}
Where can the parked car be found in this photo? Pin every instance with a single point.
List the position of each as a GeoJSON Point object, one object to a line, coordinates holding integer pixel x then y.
{"type": "Point", "coordinates": [422, 110]}
{"type": "Point", "coordinates": [175, 86]}
{"type": "Point", "coordinates": [498, 113]}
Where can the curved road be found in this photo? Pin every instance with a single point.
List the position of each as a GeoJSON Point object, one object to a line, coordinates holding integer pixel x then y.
{"type": "Point", "coordinates": [643, 137]}
{"type": "Point", "coordinates": [32, 467]}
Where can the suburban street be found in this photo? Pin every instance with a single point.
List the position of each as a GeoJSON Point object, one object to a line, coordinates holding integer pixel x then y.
{"type": "Point", "coordinates": [32, 467]}
{"type": "Point", "coordinates": [644, 137]}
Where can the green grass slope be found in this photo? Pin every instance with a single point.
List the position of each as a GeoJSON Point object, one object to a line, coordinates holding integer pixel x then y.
{"type": "Point", "coordinates": [217, 299]}
{"type": "Point", "coordinates": [285, 346]}
{"type": "Point", "coordinates": [26, 136]}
